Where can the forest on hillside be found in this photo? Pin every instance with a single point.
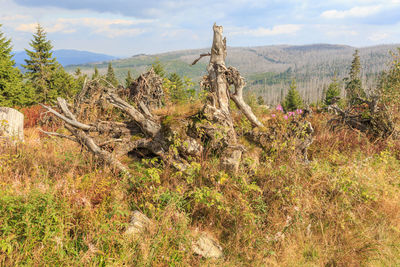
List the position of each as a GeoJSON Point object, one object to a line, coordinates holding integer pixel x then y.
{"type": "Point", "coordinates": [157, 169]}
{"type": "Point", "coordinates": [268, 70]}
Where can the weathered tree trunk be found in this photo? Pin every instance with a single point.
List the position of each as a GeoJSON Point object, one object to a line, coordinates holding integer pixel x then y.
{"type": "Point", "coordinates": [218, 81]}
{"type": "Point", "coordinates": [217, 106]}
{"type": "Point", "coordinates": [11, 124]}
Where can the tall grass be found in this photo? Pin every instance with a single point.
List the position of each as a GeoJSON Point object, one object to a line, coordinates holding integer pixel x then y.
{"type": "Point", "coordinates": [59, 206]}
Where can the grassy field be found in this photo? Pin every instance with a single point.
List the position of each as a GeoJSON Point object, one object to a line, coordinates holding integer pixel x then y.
{"type": "Point", "coordinates": [60, 207]}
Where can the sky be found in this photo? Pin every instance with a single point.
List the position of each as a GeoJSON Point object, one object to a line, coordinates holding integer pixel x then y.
{"type": "Point", "coordinates": [128, 27]}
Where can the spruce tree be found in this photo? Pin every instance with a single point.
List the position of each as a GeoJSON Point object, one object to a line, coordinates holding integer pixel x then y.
{"type": "Point", "coordinates": [158, 68]}
{"type": "Point", "coordinates": [96, 73]}
{"type": "Point", "coordinates": [333, 92]}
{"type": "Point", "coordinates": [110, 76]}
{"type": "Point", "coordinates": [129, 79]}
{"type": "Point", "coordinates": [62, 84]}
{"type": "Point", "coordinates": [260, 100]}
{"type": "Point", "coordinates": [353, 83]}
{"type": "Point", "coordinates": [45, 74]}
{"type": "Point", "coordinates": [80, 79]}
{"type": "Point", "coordinates": [177, 88]}
{"type": "Point", "coordinates": [78, 72]}
{"type": "Point", "coordinates": [389, 82]}
{"type": "Point", "coordinates": [40, 64]}
{"type": "Point", "coordinates": [12, 90]}
{"type": "Point", "coordinates": [293, 99]}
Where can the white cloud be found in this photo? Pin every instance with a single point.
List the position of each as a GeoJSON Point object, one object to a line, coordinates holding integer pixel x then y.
{"type": "Point", "coordinates": [119, 32]}
{"type": "Point", "coordinates": [26, 27]}
{"type": "Point", "coordinates": [57, 27]}
{"type": "Point", "coordinates": [337, 31]}
{"type": "Point", "coordinates": [107, 27]}
{"type": "Point", "coordinates": [179, 33]}
{"type": "Point", "coordinates": [377, 37]}
{"type": "Point", "coordinates": [275, 30]}
{"type": "Point", "coordinates": [100, 22]}
{"type": "Point", "coordinates": [13, 17]}
{"type": "Point", "coordinates": [355, 12]}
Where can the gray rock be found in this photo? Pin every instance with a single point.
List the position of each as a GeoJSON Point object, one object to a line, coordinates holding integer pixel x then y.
{"type": "Point", "coordinates": [206, 246]}
{"type": "Point", "coordinates": [139, 223]}
{"type": "Point", "coordinates": [11, 124]}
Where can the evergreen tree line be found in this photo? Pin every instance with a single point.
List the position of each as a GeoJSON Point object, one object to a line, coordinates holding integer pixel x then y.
{"type": "Point", "coordinates": [353, 89]}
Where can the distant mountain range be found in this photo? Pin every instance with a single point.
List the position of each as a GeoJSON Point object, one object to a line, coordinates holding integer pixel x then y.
{"type": "Point", "coordinates": [68, 57]}
{"type": "Point", "coordinates": [268, 70]}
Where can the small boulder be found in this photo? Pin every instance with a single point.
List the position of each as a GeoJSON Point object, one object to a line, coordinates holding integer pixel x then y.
{"type": "Point", "coordinates": [205, 245]}
{"type": "Point", "coordinates": [139, 223]}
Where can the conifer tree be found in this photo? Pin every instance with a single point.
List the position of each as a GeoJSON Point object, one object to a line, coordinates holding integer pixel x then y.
{"type": "Point", "coordinates": [80, 78]}
{"type": "Point", "coordinates": [110, 76]}
{"type": "Point", "coordinates": [129, 79]}
{"type": "Point", "coordinates": [389, 83]}
{"type": "Point", "coordinates": [40, 64]}
{"type": "Point", "coordinates": [78, 72]}
{"type": "Point", "coordinates": [158, 68]}
{"type": "Point", "coordinates": [353, 83]}
{"type": "Point", "coordinates": [293, 99]}
{"type": "Point", "coordinates": [12, 90]}
{"type": "Point", "coordinates": [96, 73]}
{"type": "Point", "coordinates": [333, 92]}
{"type": "Point", "coordinates": [260, 100]}
{"type": "Point", "coordinates": [45, 74]}
{"type": "Point", "coordinates": [177, 88]}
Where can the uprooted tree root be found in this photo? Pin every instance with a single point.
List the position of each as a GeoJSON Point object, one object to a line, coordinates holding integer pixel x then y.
{"type": "Point", "coordinates": [368, 117]}
{"type": "Point", "coordinates": [113, 122]}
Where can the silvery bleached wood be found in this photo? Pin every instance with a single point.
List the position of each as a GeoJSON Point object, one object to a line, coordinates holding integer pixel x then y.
{"type": "Point", "coordinates": [11, 124]}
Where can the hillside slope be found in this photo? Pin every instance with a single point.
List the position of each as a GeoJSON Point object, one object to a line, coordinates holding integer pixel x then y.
{"type": "Point", "coordinates": [68, 57]}
{"type": "Point", "coordinates": [268, 69]}
{"type": "Point", "coordinates": [61, 206]}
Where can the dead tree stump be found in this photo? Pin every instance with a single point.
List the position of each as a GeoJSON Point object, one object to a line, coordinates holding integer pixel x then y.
{"type": "Point", "coordinates": [216, 109]}
{"type": "Point", "coordinates": [11, 124]}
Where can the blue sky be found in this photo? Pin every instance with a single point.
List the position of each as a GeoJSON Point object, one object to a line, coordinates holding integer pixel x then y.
{"type": "Point", "coordinates": [125, 28]}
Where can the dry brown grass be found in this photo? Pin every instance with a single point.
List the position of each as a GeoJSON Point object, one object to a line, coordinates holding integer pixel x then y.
{"type": "Point", "coordinates": [340, 210]}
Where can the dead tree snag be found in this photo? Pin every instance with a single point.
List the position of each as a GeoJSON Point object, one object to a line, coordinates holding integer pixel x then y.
{"type": "Point", "coordinates": [216, 109]}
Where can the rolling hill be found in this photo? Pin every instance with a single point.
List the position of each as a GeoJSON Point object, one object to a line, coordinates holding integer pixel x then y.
{"type": "Point", "coordinates": [268, 69]}
{"type": "Point", "coordinates": [68, 57]}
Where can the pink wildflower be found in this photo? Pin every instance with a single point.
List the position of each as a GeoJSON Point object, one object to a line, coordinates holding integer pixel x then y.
{"type": "Point", "coordinates": [273, 115]}
{"type": "Point", "coordinates": [279, 107]}
{"type": "Point", "coordinates": [285, 117]}
{"type": "Point", "coordinates": [299, 111]}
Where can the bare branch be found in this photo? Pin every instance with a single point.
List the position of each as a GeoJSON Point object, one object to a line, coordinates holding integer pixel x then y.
{"type": "Point", "coordinates": [201, 56]}
{"type": "Point", "coordinates": [148, 126]}
{"type": "Point", "coordinates": [60, 135]}
{"type": "Point", "coordinates": [95, 149]}
{"type": "Point", "coordinates": [71, 122]}
{"type": "Point", "coordinates": [234, 78]}
{"type": "Point", "coordinates": [110, 141]}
